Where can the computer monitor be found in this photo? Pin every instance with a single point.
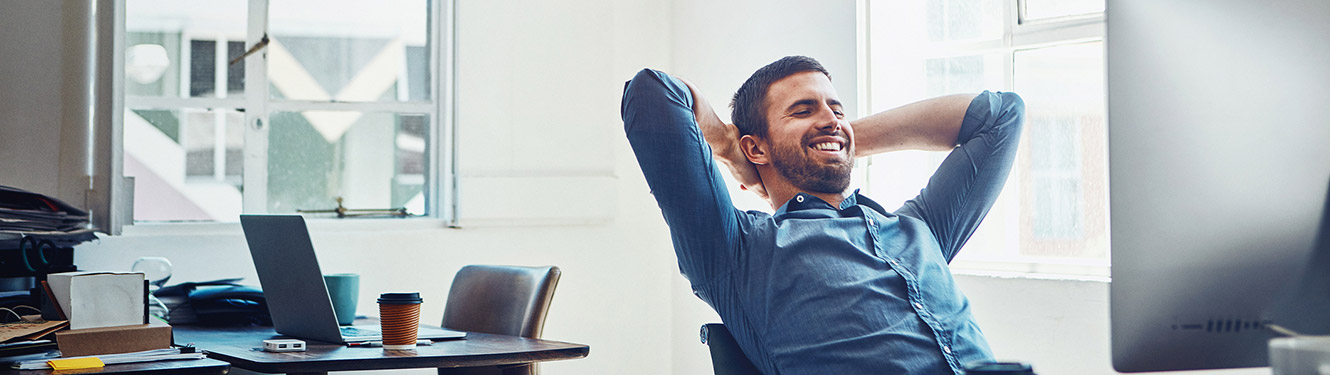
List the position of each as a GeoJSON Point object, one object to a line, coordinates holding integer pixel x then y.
{"type": "Point", "coordinates": [1219, 171]}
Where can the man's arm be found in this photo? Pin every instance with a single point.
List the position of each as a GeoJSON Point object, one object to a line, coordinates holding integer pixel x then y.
{"type": "Point", "coordinates": [659, 121]}
{"type": "Point", "coordinates": [969, 180]}
{"type": "Point", "coordinates": [931, 124]}
{"type": "Point", "coordinates": [724, 141]}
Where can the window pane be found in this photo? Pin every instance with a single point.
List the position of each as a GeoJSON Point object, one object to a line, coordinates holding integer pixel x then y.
{"type": "Point", "coordinates": [372, 160]}
{"type": "Point", "coordinates": [1041, 9]}
{"type": "Point", "coordinates": [1055, 168]}
{"type": "Point", "coordinates": [951, 75]}
{"type": "Point", "coordinates": [351, 51]}
{"type": "Point", "coordinates": [913, 27]}
{"type": "Point", "coordinates": [186, 163]}
{"type": "Point", "coordinates": [1063, 195]}
{"type": "Point", "coordinates": [950, 20]}
{"type": "Point", "coordinates": [202, 67]}
{"type": "Point", "coordinates": [173, 47]}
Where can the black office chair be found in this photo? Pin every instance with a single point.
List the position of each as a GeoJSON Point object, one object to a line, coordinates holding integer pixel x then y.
{"type": "Point", "coordinates": [506, 300]}
{"type": "Point", "coordinates": [726, 357]}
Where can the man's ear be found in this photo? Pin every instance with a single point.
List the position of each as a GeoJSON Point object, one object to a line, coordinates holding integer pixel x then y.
{"type": "Point", "coordinates": [757, 150]}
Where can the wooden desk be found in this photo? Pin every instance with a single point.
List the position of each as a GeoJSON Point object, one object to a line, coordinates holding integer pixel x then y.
{"type": "Point", "coordinates": [185, 367]}
{"type": "Point", "coordinates": [237, 345]}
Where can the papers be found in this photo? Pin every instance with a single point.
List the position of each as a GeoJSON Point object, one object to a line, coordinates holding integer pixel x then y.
{"type": "Point", "coordinates": [34, 351]}
{"type": "Point", "coordinates": [29, 330]}
{"type": "Point", "coordinates": [171, 354]}
{"type": "Point", "coordinates": [22, 350]}
{"type": "Point", "coordinates": [9, 238]}
{"type": "Point", "coordinates": [100, 299]}
{"type": "Point", "coordinates": [46, 219]}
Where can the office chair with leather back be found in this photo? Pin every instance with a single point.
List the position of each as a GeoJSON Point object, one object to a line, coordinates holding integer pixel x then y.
{"type": "Point", "coordinates": [726, 357]}
{"type": "Point", "coordinates": [506, 300]}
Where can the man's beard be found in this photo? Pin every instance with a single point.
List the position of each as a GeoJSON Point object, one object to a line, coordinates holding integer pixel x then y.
{"type": "Point", "coordinates": [795, 165]}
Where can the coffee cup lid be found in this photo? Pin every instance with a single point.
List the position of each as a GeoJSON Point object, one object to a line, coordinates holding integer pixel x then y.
{"type": "Point", "coordinates": [412, 298]}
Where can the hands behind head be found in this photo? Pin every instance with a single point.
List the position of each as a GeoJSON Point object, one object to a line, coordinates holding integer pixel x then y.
{"type": "Point", "coordinates": [727, 150]}
{"type": "Point", "coordinates": [749, 179]}
{"type": "Point", "coordinates": [724, 141]}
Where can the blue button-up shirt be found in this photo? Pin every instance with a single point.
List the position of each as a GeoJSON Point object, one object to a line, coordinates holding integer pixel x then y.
{"type": "Point", "coordinates": [816, 289]}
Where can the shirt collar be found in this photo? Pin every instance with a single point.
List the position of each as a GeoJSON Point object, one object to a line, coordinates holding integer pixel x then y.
{"type": "Point", "coordinates": [804, 201]}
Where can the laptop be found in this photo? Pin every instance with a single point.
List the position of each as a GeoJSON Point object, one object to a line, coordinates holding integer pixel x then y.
{"type": "Point", "coordinates": [293, 284]}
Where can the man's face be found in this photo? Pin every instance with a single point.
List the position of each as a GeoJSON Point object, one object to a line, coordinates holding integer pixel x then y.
{"type": "Point", "coordinates": [812, 144]}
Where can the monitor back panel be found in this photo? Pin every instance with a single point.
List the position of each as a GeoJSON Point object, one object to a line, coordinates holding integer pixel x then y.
{"type": "Point", "coordinates": [1219, 153]}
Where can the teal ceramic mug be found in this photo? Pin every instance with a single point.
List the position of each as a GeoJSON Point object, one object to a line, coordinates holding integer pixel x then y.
{"type": "Point", "coordinates": [344, 288]}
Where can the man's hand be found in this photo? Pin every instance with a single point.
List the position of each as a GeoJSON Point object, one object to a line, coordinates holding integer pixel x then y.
{"type": "Point", "coordinates": [741, 168]}
{"type": "Point", "coordinates": [724, 141]}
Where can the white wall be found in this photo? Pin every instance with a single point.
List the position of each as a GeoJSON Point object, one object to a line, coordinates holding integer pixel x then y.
{"type": "Point", "coordinates": [718, 44]}
{"type": "Point", "coordinates": [30, 105]}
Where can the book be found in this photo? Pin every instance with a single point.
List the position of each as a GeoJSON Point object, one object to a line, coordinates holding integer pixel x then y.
{"type": "Point", "coordinates": [100, 299]}
{"type": "Point", "coordinates": [119, 339]}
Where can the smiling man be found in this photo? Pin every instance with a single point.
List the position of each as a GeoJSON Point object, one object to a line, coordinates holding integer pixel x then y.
{"type": "Point", "coordinates": [831, 282]}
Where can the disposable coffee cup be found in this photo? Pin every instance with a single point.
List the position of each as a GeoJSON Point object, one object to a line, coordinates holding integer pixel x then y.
{"type": "Point", "coordinates": [399, 318]}
{"type": "Point", "coordinates": [998, 368]}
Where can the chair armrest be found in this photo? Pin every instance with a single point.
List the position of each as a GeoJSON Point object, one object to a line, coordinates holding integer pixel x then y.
{"type": "Point", "coordinates": [726, 357]}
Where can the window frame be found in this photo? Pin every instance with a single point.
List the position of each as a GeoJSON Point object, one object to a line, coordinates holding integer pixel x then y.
{"type": "Point", "coordinates": [1018, 35]}
{"type": "Point", "coordinates": [441, 188]}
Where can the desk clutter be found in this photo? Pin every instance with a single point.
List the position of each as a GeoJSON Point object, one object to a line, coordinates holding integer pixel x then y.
{"type": "Point", "coordinates": [86, 314]}
{"type": "Point", "coordinates": [37, 237]}
{"type": "Point", "coordinates": [38, 233]}
{"type": "Point", "coordinates": [214, 303]}
{"type": "Point", "coordinates": [52, 317]}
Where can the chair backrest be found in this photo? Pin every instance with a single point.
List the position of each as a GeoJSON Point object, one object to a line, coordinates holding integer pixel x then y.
{"type": "Point", "coordinates": [505, 300]}
{"type": "Point", "coordinates": [726, 357]}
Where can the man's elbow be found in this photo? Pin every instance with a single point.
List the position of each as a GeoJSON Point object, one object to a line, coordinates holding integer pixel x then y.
{"type": "Point", "coordinates": [1010, 112]}
{"type": "Point", "coordinates": [650, 94]}
{"type": "Point", "coordinates": [1012, 107]}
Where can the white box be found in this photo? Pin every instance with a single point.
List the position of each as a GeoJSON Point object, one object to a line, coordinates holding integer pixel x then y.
{"type": "Point", "coordinates": [283, 345]}
{"type": "Point", "coordinates": [92, 299]}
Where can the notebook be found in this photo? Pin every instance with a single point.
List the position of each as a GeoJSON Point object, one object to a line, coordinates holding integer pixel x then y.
{"type": "Point", "coordinates": [293, 284]}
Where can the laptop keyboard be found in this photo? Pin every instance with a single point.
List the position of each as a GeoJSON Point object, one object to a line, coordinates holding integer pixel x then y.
{"type": "Point", "coordinates": [356, 332]}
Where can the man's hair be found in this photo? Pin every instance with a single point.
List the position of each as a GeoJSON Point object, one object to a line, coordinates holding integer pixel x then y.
{"type": "Point", "coordinates": [749, 105]}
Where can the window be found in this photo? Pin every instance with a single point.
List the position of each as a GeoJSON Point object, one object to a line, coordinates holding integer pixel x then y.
{"type": "Point", "coordinates": [341, 101]}
{"type": "Point", "coordinates": [1052, 216]}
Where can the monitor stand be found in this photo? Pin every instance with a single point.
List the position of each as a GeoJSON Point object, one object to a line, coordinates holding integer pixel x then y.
{"type": "Point", "coordinates": [1305, 309]}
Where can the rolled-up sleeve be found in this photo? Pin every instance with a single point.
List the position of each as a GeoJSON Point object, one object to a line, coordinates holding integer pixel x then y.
{"type": "Point", "coordinates": [965, 186]}
{"type": "Point", "coordinates": [679, 169]}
